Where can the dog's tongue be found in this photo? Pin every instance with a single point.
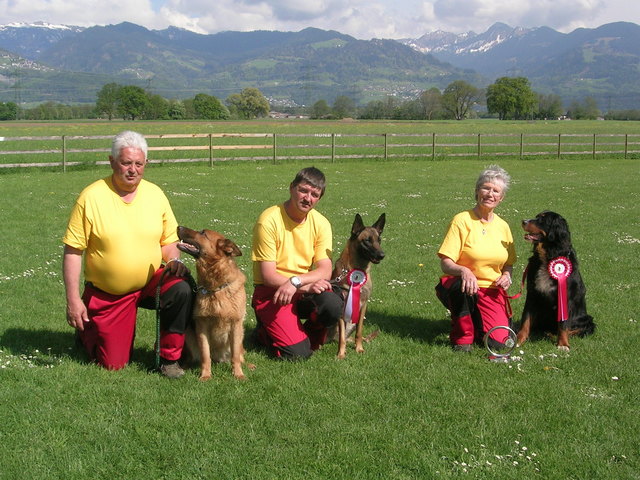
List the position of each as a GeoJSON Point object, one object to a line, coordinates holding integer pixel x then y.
{"type": "Point", "coordinates": [530, 237]}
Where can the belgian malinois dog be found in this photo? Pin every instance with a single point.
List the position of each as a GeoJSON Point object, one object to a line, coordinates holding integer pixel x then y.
{"type": "Point", "coordinates": [362, 249]}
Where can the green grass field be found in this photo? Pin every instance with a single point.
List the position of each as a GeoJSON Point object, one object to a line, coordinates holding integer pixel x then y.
{"type": "Point", "coordinates": [408, 408]}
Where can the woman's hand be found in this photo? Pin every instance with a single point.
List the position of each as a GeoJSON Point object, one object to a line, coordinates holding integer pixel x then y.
{"type": "Point", "coordinates": [469, 281]}
{"type": "Point", "coordinates": [504, 280]}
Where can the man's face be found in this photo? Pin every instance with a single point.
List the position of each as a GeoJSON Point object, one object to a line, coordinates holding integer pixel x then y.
{"type": "Point", "coordinates": [128, 168]}
{"type": "Point", "coordinates": [304, 197]}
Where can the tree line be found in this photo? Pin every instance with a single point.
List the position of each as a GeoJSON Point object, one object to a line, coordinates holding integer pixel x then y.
{"type": "Point", "coordinates": [508, 98]}
{"type": "Point", "coordinates": [131, 102]}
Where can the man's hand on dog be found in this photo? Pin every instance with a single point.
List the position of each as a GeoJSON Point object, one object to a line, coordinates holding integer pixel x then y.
{"type": "Point", "coordinates": [177, 268]}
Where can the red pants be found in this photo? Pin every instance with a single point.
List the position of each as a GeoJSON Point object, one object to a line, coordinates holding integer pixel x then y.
{"type": "Point", "coordinates": [280, 326]}
{"type": "Point", "coordinates": [109, 334]}
{"type": "Point", "coordinates": [472, 316]}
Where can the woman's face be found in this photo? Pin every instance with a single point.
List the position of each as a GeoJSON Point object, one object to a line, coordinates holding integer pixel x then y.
{"type": "Point", "coordinates": [490, 194]}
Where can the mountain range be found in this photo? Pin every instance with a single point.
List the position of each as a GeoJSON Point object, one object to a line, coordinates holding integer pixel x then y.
{"type": "Point", "coordinates": [69, 64]}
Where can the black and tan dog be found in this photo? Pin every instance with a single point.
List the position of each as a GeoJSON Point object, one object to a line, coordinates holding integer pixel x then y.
{"type": "Point", "coordinates": [362, 249]}
{"type": "Point", "coordinates": [220, 305]}
{"type": "Point", "coordinates": [549, 233]}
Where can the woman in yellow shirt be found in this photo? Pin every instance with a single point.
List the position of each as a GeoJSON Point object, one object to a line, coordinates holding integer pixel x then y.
{"type": "Point", "coordinates": [477, 257]}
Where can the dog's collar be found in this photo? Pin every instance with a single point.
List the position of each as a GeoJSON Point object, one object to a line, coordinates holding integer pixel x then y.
{"type": "Point", "coordinates": [205, 291]}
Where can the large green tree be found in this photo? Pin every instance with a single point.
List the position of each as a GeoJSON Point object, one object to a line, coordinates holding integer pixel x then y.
{"type": "Point", "coordinates": [250, 103]}
{"type": "Point", "coordinates": [320, 109]}
{"type": "Point", "coordinates": [549, 106]}
{"type": "Point", "coordinates": [586, 109]}
{"type": "Point", "coordinates": [209, 107]}
{"type": "Point", "coordinates": [133, 102]}
{"type": "Point", "coordinates": [8, 111]}
{"type": "Point", "coordinates": [177, 110]}
{"type": "Point", "coordinates": [458, 98]}
{"type": "Point", "coordinates": [344, 107]}
{"type": "Point", "coordinates": [430, 103]}
{"type": "Point", "coordinates": [511, 98]}
{"type": "Point", "coordinates": [107, 100]}
{"type": "Point", "coordinates": [157, 108]}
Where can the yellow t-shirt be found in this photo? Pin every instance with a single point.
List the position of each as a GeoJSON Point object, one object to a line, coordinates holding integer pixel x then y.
{"type": "Point", "coordinates": [484, 248]}
{"type": "Point", "coordinates": [122, 241]}
{"type": "Point", "coordinates": [294, 247]}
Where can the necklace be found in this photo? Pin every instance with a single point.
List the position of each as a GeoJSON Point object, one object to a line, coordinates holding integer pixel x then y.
{"type": "Point", "coordinates": [485, 227]}
{"type": "Point", "coordinates": [484, 223]}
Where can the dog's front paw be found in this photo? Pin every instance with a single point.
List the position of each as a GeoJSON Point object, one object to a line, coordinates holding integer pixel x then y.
{"type": "Point", "coordinates": [564, 348]}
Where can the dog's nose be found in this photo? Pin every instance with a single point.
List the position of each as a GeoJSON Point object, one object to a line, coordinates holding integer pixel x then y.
{"type": "Point", "coordinates": [524, 222]}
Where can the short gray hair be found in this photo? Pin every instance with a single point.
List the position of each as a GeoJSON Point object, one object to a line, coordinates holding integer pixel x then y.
{"type": "Point", "coordinates": [128, 139]}
{"type": "Point", "coordinates": [493, 174]}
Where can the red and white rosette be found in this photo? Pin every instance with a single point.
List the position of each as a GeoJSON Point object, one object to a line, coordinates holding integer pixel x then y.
{"type": "Point", "coordinates": [355, 279]}
{"type": "Point", "coordinates": [560, 268]}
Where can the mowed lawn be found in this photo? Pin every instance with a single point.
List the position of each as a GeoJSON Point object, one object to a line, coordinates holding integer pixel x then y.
{"type": "Point", "coordinates": [408, 408]}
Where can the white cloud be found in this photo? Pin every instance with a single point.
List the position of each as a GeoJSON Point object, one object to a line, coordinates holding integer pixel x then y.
{"type": "Point", "coordinates": [361, 18]}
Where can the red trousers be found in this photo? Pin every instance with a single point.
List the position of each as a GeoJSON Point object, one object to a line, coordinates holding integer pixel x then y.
{"type": "Point", "coordinates": [109, 334]}
{"type": "Point", "coordinates": [281, 328]}
{"type": "Point", "coordinates": [472, 316]}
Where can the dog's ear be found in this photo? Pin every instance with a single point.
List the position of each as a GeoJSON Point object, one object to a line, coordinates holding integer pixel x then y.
{"type": "Point", "coordinates": [379, 225]}
{"type": "Point", "coordinates": [558, 230]}
{"type": "Point", "coordinates": [229, 248]}
{"type": "Point", "coordinates": [358, 226]}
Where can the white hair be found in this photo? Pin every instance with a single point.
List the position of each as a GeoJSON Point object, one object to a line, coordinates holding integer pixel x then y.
{"type": "Point", "coordinates": [494, 174]}
{"type": "Point", "coordinates": [128, 139]}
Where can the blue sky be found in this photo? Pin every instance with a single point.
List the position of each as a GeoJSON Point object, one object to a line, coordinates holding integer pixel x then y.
{"type": "Point", "coordinates": [363, 19]}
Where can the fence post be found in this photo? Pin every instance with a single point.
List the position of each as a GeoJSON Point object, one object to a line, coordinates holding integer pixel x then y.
{"type": "Point", "coordinates": [210, 150]}
{"type": "Point", "coordinates": [274, 148]}
{"type": "Point", "coordinates": [626, 145]}
{"type": "Point", "coordinates": [479, 152]}
{"type": "Point", "coordinates": [385, 146]}
{"type": "Point", "coordinates": [333, 147]}
{"type": "Point", "coordinates": [64, 153]}
{"type": "Point", "coordinates": [521, 145]}
{"type": "Point", "coordinates": [559, 135]}
{"type": "Point", "coordinates": [433, 146]}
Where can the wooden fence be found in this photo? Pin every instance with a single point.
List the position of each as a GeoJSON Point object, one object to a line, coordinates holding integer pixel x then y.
{"type": "Point", "coordinates": [66, 151]}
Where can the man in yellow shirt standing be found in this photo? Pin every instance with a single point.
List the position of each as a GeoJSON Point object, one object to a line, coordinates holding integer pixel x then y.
{"type": "Point", "coordinates": [291, 253]}
{"type": "Point", "coordinates": [124, 227]}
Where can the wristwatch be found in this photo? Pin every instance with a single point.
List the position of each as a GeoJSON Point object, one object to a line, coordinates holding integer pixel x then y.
{"type": "Point", "coordinates": [296, 282]}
